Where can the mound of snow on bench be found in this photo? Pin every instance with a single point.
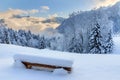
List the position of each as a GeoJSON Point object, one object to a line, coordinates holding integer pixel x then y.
{"type": "Point", "coordinates": [35, 58]}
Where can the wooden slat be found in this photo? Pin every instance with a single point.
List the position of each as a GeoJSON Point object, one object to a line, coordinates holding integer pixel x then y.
{"type": "Point", "coordinates": [29, 65]}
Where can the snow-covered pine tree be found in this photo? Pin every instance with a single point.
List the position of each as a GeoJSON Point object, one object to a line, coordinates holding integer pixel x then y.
{"type": "Point", "coordinates": [53, 43]}
{"type": "Point", "coordinates": [36, 41]}
{"type": "Point", "coordinates": [29, 38]}
{"type": "Point", "coordinates": [16, 38]}
{"type": "Point", "coordinates": [75, 46]}
{"type": "Point", "coordinates": [71, 45]}
{"type": "Point", "coordinates": [108, 47]}
{"type": "Point", "coordinates": [6, 36]}
{"type": "Point", "coordinates": [11, 39]}
{"type": "Point", "coordinates": [2, 35]}
{"type": "Point", "coordinates": [47, 42]}
{"type": "Point", "coordinates": [42, 44]}
{"type": "Point", "coordinates": [22, 37]}
{"type": "Point", "coordinates": [95, 43]}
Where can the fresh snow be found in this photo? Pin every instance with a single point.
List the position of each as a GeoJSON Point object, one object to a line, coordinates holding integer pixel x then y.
{"type": "Point", "coordinates": [60, 71]}
{"type": "Point", "coordinates": [85, 67]}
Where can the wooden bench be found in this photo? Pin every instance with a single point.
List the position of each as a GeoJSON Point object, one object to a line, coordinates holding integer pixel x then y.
{"type": "Point", "coordinates": [29, 65]}
{"type": "Point", "coordinates": [45, 63]}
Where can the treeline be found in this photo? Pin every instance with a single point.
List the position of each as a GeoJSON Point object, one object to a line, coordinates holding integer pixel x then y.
{"type": "Point", "coordinates": [22, 38]}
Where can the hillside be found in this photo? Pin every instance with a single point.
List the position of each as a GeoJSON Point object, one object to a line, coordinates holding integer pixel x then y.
{"type": "Point", "coordinates": [92, 66]}
{"type": "Point", "coordinates": [84, 19]}
{"type": "Point", "coordinates": [78, 29]}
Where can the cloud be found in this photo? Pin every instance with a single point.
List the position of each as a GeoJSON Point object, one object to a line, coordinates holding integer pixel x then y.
{"type": "Point", "coordinates": [10, 12]}
{"type": "Point", "coordinates": [33, 11]}
{"type": "Point", "coordinates": [35, 24]}
{"type": "Point", "coordinates": [44, 8]}
{"type": "Point", "coordinates": [16, 11]}
{"type": "Point", "coordinates": [105, 2]}
{"type": "Point", "coordinates": [53, 16]}
{"type": "Point", "coordinates": [20, 11]}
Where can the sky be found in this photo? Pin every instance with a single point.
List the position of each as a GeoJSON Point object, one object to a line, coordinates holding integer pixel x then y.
{"type": "Point", "coordinates": [45, 8]}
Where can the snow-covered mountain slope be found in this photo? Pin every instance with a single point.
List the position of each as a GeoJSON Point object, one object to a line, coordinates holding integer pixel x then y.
{"type": "Point", "coordinates": [86, 66]}
{"type": "Point", "coordinates": [81, 25]}
{"type": "Point", "coordinates": [84, 19]}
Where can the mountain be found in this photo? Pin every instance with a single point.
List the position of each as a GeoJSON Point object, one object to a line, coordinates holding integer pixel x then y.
{"type": "Point", "coordinates": [79, 26]}
{"type": "Point", "coordinates": [82, 19]}
{"type": "Point", "coordinates": [114, 15]}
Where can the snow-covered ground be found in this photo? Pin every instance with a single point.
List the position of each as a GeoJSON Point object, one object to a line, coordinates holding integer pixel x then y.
{"type": "Point", "coordinates": [85, 67]}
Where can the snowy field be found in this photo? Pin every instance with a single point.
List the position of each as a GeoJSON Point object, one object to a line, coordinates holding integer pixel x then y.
{"type": "Point", "coordinates": [85, 67]}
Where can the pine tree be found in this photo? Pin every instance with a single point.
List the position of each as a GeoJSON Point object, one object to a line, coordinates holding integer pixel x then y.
{"type": "Point", "coordinates": [1, 35]}
{"type": "Point", "coordinates": [42, 43]}
{"type": "Point", "coordinates": [109, 43]}
{"type": "Point", "coordinates": [48, 44]}
{"type": "Point", "coordinates": [22, 37]}
{"type": "Point", "coordinates": [95, 43]}
{"type": "Point", "coordinates": [75, 46]}
{"type": "Point", "coordinates": [6, 37]}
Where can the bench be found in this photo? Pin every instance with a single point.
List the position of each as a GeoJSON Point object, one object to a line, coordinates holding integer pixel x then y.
{"type": "Point", "coordinates": [44, 63]}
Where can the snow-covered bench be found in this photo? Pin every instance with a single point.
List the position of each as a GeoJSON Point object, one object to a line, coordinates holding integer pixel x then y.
{"type": "Point", "coordinates": [44, 63]}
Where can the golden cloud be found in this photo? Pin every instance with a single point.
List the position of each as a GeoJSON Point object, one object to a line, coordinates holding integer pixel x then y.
{"type": "Point", "coordinates": [35, 24]}
{"type": "Point", "coordinates": [10, 12]}
{"type": "Point", "coordinates": [100, 3]}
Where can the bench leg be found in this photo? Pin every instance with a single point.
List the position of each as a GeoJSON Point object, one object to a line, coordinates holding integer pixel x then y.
{"type": "Point", "coordinates": [27, 66]}
{"type": "Point", "coordinates": [68, 70]}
